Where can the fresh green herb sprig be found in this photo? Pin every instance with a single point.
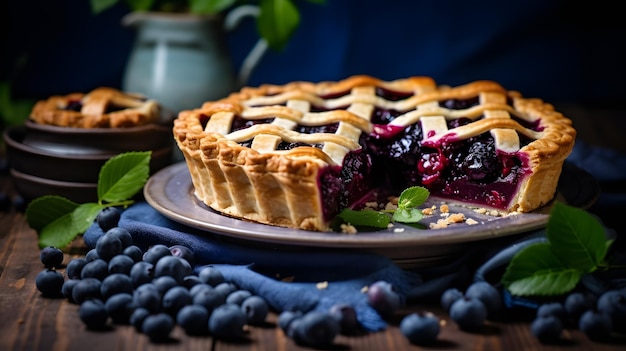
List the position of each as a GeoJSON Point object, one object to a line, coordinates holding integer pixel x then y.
{"type": "Point", "coordinates": [58, 220]}
{"type": "Point", "coordinates": [407, 212]}
{"type": "Point", "coordinates": [577, 245]}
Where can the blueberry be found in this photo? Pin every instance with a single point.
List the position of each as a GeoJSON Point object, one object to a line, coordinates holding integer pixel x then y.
{"type": "Point", "coordinates": [596, 325]}
{"type": "Point", "coordinates": [256, 309]}
{"type": "Point", "coordinates": [158, 326]}
{"type": "Point", "coordinates": [238, 296]}
{"type": "Point", "coordinates": [209, 298]}
{"type": "Point", "coordinates": [199, 288]}
{"type": "Point", "coordinates": [51, 257]}
{"type": "Point", "coordinates": [120, 307]}
{"type": "Point", "coordinates": [225, 289]}
{"type": "Point", "coordinates": [137, 317]}
{"type": "Point", "coordinates": [469, 313]}
{"type": "Point", "coordinates": [551, 309]}
{"type": "Point", "coordinates": [449, 296]}
{"type": "Point", "coordinates": [147, 296]}
{"type": "Point", "coordinates": [420, 327]}
{"type": "Point", "coordinates": [120, 264]}
{"type": "Point", "coordinates": [547, 328]}
{"type": "Point", "coordinates": [5, 202]}
{"type": "Point", "coordinates": [382, 296]}
{"type": "Point", "coordinates": [87, 288]}
{"type": "Point", "coordinates": [285, 318]}
{"type": "Point", "coordinates": [74, 268]}
{"type": "Point", "coordinates": [577, 303]}
{"type": "Point", "coordinates": [108, 246]}
{"type": "Point", "coordinates": [91, 255]}
{"type": "Point", "coordinates": [172, 266]}
{"type": "Point", "coordinates": [93, 314]}
{"type": "Point", "coordinates": [49, 282]}
{"type": "Point", "coordinates": [211, 275]}
{"type": "Point", "coordinates": [67, 288]}
{"type": "Point", "coordinates": [164, 283]}
{"type": "Point", "coordinates": [191, 280]}
{"type": "Point", "coordinates": [108, 218]}
{"type": "Point", "coordinates": [141, 273]}
{"type": "Point", "coordinates": [345, 314]}
{"type": "Point", "coordinates": [97, 268]}
{"type": "Point", "coordinates": [227, 322]}
{"type": "Point", "coordinates": [122, 234]}
{"type": "Point", "coordinates": [489, 295]}
{"type": "Point", "coordinates": [114, 284]}
{"type": "Point", "coordinates": [613, 303]}
{"type": "Point", "coordinates": [134, 252]}
{"type": "Point", "coordinates": [183, 252]}
{"type": "Point", "coordinates": [194, 319]}
{"type": "Point", "coordinates": [175, 299]}
{"type": "Point", "coordinates": [155, 252]}
{"type": "Point", "coordinates": [316, 329]}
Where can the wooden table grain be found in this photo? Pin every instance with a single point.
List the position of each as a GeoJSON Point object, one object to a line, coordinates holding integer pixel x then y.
{"type": "Point", "coordinates": [29, 321]}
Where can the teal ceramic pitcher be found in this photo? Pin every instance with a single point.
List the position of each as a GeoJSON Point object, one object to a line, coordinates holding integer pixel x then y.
{"type": "Point", "coordinates": [181, 60]}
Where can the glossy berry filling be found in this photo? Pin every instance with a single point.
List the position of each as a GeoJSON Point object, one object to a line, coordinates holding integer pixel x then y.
{"type": "Point", "coordinates": [393, 158]}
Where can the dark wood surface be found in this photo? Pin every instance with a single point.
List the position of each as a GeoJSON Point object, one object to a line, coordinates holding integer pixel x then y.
{"type": "Point", "coordinates": [29, 321]}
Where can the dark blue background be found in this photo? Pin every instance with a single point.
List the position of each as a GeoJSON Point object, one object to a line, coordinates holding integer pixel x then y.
{"type": "Point", "coordinates": [555, 50]}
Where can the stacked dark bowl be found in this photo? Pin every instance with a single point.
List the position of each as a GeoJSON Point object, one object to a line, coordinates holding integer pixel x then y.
{"type": "Point", "coordinates": [52, 160]}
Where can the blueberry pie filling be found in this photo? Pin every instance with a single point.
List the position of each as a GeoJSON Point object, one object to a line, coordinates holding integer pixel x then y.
{"type": "Point", "coordinates": [101, 108]}
{"type": "Point", "coordinates": [296, 155]}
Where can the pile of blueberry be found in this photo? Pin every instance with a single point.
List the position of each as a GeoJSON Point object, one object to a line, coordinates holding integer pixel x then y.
{"type": "Point", "coordinates": [599, 317]}
{"type": "Point", "coordinates": [154, 290]}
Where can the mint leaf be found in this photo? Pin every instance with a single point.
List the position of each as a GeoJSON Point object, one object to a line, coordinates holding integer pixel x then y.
{"type": "Point", "coordinates": [413, 197]}
{"type": "Point", "coordinates": [535, 270]}
{"type": "Point", "coordinates": [368, 218]}
{"type": "Point", "coordinates": [46, 209]}
{"type": "Point", "coordinates": [209, 6]}
{"type": "Point", "coordinates": [407, 215]}
{"type": "Point", "coordinates": [123, 176]}
{"type": "Point", "coordinates": [578, 238]}
{"type": "Point", "coordinates": [59, 233]}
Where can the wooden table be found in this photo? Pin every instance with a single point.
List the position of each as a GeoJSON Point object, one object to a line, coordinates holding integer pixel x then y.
{"type": "Point", "coordinates": [29, 321]}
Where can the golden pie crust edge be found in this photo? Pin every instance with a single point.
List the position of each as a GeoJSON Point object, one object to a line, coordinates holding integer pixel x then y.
{"type": "Point", "coordinates": [137, 110]}
{"type": "Point", "coordinates": [282, 191]}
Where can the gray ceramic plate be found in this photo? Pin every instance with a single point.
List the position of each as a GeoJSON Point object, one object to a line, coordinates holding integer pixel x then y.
{"type": "Point", "coordinates": [171, 193]}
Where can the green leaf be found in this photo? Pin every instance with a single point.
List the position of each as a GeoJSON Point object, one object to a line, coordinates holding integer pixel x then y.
{"type": "Point", "coordinates": [578, 238]}
{"type": "Point", "coordinates": [535, 270]}
{"type": "Point", "coordinates": [367, 218]}
{"type": "Point", "coordinates": [141, 5]}
{"type": "Point", "coordinates": [407, 215]}
{"type": "Point", "coordinates": [277, 21]}
{"type": "Point", "coordinates": [209, 6]}
{"type": "Point", "coordinates": [98, 6]}
{"type": "Point", "coordinates": [59, 233]}
{"type": "Point", "coordinates": [123, 176]}
{"type": "Point", "coordinates": [546, 282]}
{"type": "Point", "coordinates": [84, 215]}
{"type": "Point", "coordinates": [47, 209]}
{"type": "Point", "coordinates": [413, 197]}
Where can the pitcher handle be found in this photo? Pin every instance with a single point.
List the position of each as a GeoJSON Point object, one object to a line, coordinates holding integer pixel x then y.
{"type": "Point", "coordinates": [232, 20]}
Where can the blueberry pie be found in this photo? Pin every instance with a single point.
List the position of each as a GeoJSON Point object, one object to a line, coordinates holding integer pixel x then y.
{"type": "Point", "coordinates": [295, 155]}
{"type": "Point", "coordinates": [101, 108]}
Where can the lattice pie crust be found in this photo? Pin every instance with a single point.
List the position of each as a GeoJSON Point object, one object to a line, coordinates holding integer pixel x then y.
{"type": "Point", "coordinates": [249, 173]}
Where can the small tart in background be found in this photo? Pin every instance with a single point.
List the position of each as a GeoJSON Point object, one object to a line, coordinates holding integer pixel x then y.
{"type": "Point", "coordinates": [103, 107]}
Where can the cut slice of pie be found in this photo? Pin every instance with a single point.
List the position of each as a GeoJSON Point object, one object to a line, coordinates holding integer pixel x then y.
{"type": "Point", "coordinates": [296, 155]}
{"type": "Point", "coordinates": [103, 107]}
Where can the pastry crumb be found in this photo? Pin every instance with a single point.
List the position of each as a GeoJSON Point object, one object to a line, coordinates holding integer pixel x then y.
{"type": "Point", "coordinates": [427, 211]}
{"type": "Point", "coordinates": [398, 230]}
{"type": "Point", "coordinates": [348, 229]}
{"type": "Point", "coordinates": [471, 221]}
{"type": "Point", "coordinates": [321, 285]}
{"type": "Point", "coordinates": [444, 208]}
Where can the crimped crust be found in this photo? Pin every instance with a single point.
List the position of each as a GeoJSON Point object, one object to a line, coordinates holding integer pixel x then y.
{"type": "Point", "coordinates": [130, 110]}
{"type": "Point", "coordinates": [280, 187]}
